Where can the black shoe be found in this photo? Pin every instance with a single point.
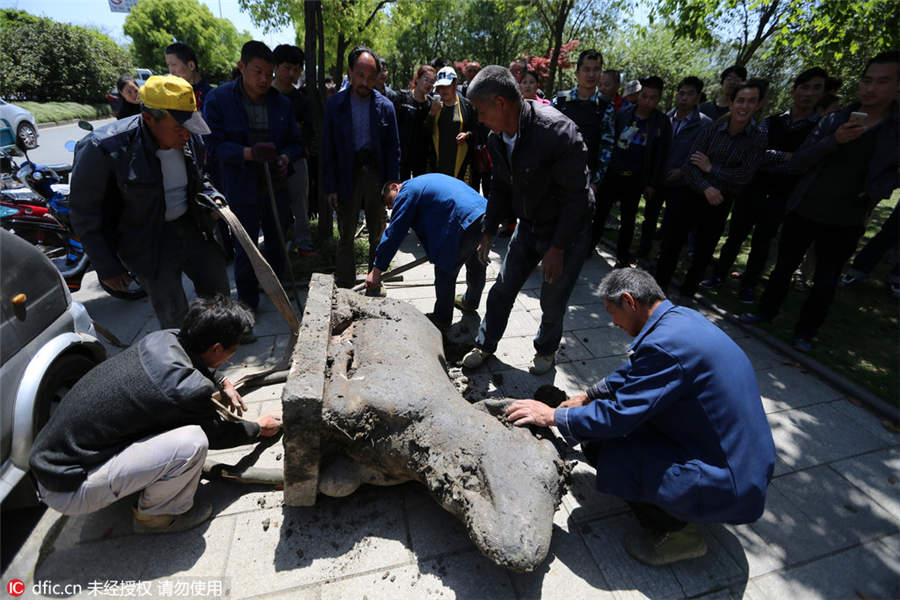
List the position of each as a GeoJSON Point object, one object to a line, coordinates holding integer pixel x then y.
{"type": "Point", "coordinates": [803, 344]}
{"type": "Point", "coordinates": [711, 283]}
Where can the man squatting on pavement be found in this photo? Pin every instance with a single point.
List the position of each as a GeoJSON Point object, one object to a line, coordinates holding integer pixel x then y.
{"type": "Point", "coordinates": [447, 216]}
{"type": "Point", "coordinates": [678, 431]}
{"type": "Point", "coordinates": [540, 177]}
{"type": "Point", "coordinates": [143, 420]}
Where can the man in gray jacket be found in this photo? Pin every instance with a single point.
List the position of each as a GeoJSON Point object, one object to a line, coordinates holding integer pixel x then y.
{"type": "Point", "coordinates": [541, 178]}
{"type": "Point", "coordinates": [143, 420]}
{"type": "Point", "coordinates": [133, 189]}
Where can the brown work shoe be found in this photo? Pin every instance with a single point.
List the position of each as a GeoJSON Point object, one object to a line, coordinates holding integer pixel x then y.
{"type": "Point", "coordinates": [197, 515]}
{"type": "Point", "coordinates": [658, 548]}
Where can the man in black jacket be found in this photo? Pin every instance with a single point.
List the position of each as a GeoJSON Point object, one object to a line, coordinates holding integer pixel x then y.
{"type": "Point", "coordinates": [849, 164]}
{"type": "Point", "coordinates": [540, 176]}
{"type": "Point", "coordinates": [643, 134]}
{"type": "Point", "coordinates": [133, 190]}
{"type": "Point", "coordinates": [143, 420]}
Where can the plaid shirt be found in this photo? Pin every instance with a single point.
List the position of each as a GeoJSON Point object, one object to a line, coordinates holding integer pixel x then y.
{"type": "Point", "coordinates": [607, 134]}
{"type": "Point", "coordinates": [734, 158]}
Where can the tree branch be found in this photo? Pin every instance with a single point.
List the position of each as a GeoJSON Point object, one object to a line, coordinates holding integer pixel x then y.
{"type": "Point", "coordinates": [375, 12]}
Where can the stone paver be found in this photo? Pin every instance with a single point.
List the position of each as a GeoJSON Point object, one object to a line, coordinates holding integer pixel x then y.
{"type": "Point", "coordinates": [830, 529]}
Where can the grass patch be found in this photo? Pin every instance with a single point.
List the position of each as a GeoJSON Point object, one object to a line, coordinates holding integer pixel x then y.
{"type": "Point", "coordinates": [326, 247]}
{"type": "Point", "coordinates": [47, 112]}
{"type": "Point", "coordinates": [859, 337]}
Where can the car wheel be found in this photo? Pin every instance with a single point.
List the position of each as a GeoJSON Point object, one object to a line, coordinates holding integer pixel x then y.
{"type": "Point", "coordinates": [62, 375]}
{"type": "Point", "coordinates": [28, 135]}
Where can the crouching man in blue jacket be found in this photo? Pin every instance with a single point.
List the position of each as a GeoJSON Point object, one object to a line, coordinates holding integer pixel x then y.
{"type": "Point", "coordinates": [678, 431]}
{"type": "Point", "coordinates": [447, 216]}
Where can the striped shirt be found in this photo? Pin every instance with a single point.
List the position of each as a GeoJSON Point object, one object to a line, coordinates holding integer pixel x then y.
{"type": "Point", "coordinates": [734, 158]}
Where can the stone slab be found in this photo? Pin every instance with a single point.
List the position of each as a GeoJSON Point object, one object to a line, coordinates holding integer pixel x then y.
{"type": "Point", "coordinates": [870, 570]}
{"type": "Point", "coordinates": [781, 387]}
{"type": "Point", "coordinates": [626, 577]}
{"type": "Point", "coordinates": [338, 537]}
{"type": "Point", "coordinates": [878, 476]}
{"type": "Point", "coordinates": [604, 340]}
{"type": "Point", "coordinates": [302, 395]}
{"type": "Point", "coordinates": [465, 575]}
{"type": "Point", "coordinates": [823, 433]}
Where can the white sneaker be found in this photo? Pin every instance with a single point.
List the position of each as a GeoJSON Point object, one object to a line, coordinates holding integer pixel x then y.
{"type": "Point", "coordinates": [475, 358]}
{"type": "Point", "coordinates": [542, 363]}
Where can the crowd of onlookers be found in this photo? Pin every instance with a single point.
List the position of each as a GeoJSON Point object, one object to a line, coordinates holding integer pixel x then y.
{"type": "Point", "coordinates": [814, 172]}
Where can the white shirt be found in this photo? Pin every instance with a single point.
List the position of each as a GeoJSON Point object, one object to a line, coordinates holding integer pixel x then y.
{"type": "Point", "coordinates": [510, 141]}
{"type": "Point", "coordinates": [175, 182]}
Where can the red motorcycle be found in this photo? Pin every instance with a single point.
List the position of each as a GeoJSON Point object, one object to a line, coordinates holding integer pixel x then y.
{"type": "Point", "coordinates": [34, 204]}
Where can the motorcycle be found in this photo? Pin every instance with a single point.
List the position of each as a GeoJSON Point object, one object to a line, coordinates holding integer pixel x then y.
{"type": "Point", "coordinates": [39, 213]}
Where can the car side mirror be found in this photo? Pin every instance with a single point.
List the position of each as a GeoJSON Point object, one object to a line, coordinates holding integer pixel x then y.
{"type": "Point", "coordinates": [85, 125]}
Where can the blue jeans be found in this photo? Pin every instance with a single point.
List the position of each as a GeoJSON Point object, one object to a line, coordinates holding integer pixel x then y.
{"type": "Point", "coordinates": [445, 281]}
{"type": "Point", "coordinates": [524, 253]}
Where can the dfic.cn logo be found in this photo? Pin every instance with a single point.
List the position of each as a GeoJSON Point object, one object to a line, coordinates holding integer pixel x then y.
{"type": "Point", "coordinates": [15, 587]}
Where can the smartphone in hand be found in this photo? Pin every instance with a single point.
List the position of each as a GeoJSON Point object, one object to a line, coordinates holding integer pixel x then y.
{"type": "Point", "coordinates": [858, 117]}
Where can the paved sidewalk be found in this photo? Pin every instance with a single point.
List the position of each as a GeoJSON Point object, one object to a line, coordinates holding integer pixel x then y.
{"type": "Point", "coordinates": [830, 529]}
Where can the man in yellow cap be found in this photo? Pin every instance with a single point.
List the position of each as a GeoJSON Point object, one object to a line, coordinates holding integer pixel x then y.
{"type": "Point", "coordinates": [133, 196]}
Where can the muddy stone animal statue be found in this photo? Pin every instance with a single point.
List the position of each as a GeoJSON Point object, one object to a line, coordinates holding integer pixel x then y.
{"type": "Point", "coordinates": [368, 400]}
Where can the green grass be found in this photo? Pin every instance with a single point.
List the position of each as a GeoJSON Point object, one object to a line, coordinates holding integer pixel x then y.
{"type": "Point", "coordinates": [326, 248]}
{"type": "Point", "coordinates": [860, 336]}
{"type": "Point", "coordinates": [47, 112]}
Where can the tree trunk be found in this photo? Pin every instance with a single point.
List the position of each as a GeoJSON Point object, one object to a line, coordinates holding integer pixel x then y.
{"type": "Point", "coordinates": [315, 61]}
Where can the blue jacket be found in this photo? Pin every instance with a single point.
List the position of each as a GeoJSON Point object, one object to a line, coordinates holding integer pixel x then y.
{"type": "Point", "coordinates": [337, 142]}
{"type": "Point", "coordinates": [439, 208]}
{"type": "Point", "coordinates": [682, 142]}
{"type": "Point", "coordinates": [680, 424]}
{"type": "Point", "coordinates": [223, 111]}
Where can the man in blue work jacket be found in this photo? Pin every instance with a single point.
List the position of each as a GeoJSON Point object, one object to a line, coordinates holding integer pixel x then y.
{"type": "Point", "coordinates": [447, 216]}
{"type": "Point", "coordinates": [360, 153]}
{"type": "Point", "coordinates": [253, 125]}
{"type": "Point", "coordinates": [678, 431]}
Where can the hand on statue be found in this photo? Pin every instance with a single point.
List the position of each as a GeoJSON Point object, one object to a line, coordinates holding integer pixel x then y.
{"type": "Point", "coordinates": [579, 400]}
{"type": "Point", "coordinates": [269, 425]}
{"type": "Point", "coordinates": [530, 412]}
{"type": "Point", "coordinates": [373, 279]}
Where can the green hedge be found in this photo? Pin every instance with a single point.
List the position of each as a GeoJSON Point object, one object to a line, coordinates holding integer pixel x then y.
{"type": "Point", "coordinates": [46, 61]}
{"type": "Point", "coordinates": [46, 112]}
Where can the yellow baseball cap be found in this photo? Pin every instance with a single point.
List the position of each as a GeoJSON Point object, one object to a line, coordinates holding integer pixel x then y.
{"type": "Point", "coordinates": [176, 96]}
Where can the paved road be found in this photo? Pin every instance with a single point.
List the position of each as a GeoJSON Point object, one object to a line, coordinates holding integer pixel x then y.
{"type": "Point", "coordinates": [52, 140]}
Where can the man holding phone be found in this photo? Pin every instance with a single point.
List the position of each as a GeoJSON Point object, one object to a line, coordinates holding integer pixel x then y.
{"type": "Point", "coordinates": [849, 164]}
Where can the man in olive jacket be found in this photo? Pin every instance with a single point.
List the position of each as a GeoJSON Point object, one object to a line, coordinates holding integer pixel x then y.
{"type": "Point", "coordinates": [541, 178]}
{"type": "Point", "coordinates": [143, 420]}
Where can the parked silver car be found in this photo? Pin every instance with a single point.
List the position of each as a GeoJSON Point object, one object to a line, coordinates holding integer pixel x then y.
{"type": "Point", "coordinates": [22, 123]}
{"type": "Point", "coordinates": [47, 343]}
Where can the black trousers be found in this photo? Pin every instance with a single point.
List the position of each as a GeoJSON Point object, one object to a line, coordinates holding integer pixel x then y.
{"type": "Point", "coordinates": [654, 518]}
{"type": "Point", "coordinates": [652, 208]}
{"type": "Point", "coordinates": [684, 209]}
{"type": "Point", "coordinates": [760, 211]}
{"type": "Point", "coordinates": [889, 236]}
{"type": "Point", "coordinates": [834, 247]}
{"type": "Point", "coordinates": [627, 190]}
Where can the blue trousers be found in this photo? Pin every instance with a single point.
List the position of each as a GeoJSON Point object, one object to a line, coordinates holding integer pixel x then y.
{"type": "Point", "coordinates": [445, 281]}
{"type": "Point", "coordinates": [253, 216]}
{"type": "Point", "coordinates": [524, 253]}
